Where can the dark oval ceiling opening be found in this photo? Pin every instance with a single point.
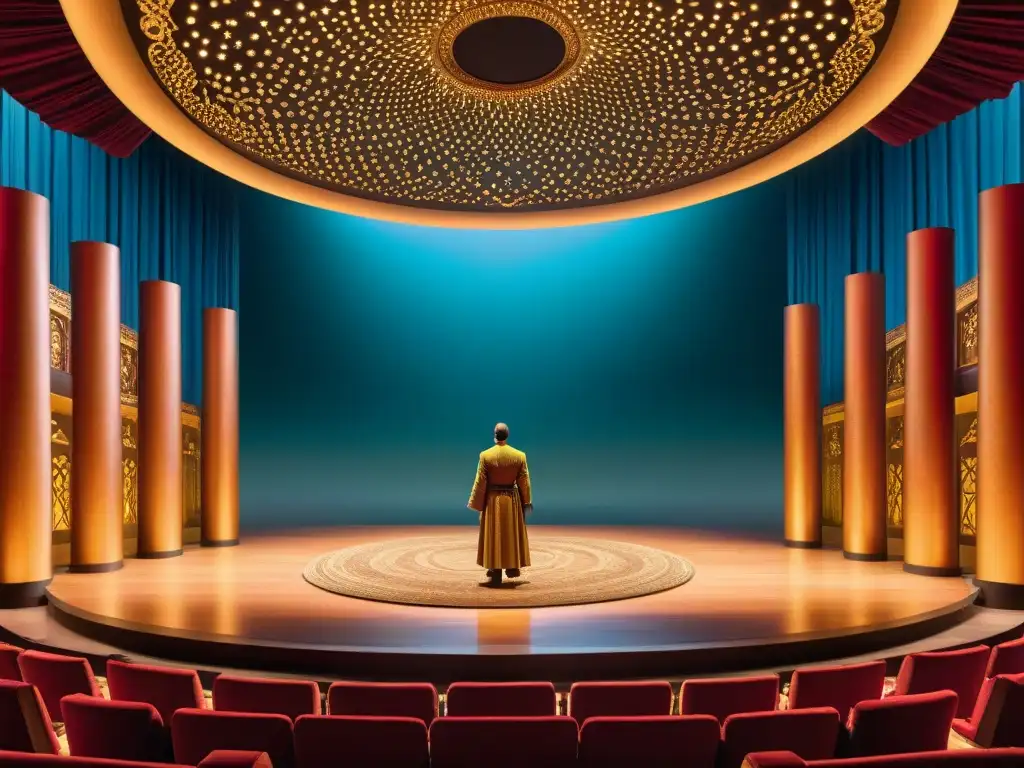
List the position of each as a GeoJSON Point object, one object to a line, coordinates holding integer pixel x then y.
{"type": "Point", "coordinates": [509, 50]}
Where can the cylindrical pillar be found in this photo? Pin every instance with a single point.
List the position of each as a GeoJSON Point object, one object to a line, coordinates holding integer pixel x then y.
{"type": "Point", "coordinates": [864, 496]}
{"type": "Point", "coordinates": [931, 500]}
{"type": "Point", "coordinates": [160, 492]}
{"type": "Point", "coordinates": [97, 486]}
{"type": "Point", "coordinates": [802, 424]}
{"type": "Point", "coordinates": [26, 496]}
{"type": "Point", "coordinates": [219, 475]}
{"type": "Point", "coordinates": [1000, 488]}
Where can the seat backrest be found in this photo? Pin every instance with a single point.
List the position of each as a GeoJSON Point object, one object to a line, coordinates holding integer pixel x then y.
{"type": "Point", "coordinates": [729, 696]}
{"type": "Point", "coordinates": [840, 687]}
{"type": "Point", "coordinates": [810, 733]}
{"type": "Point", "coordinates": [167, 689]}
{"type": "Point", "coordinates": [332, 740]}
{"type": "Point", "coordinates": [962, 672]}
{"type": "Point", "coordinates": [1001, 722]}
{"type": "Point", "coordinates": [195, 733]}
{"type": "Point", "coordinates": [1006, 659]}
{"type": "Point", "coordinates": [957, 758]}
{"type": "Point", "coordinates": [417, 700]}
{"type": "Point", "coordinates": [624, 699]}
{"type": "Point", "coordinates": [24, 722]}
{"type": "Point", "coordinates": [291, 698]}
{"type": "Point", "coordinates": [500, 700]}
{"type": "Point", "coordinates": [901, 724]}
{"type": "Point", "coordinates": [503, 742]}
{"type": "Point", "coordinates": [215, 760]}
{"type": "Point", "coordinates": [9, 669]}
{"type": "Point", "coordinates": [231, 758]}
{"type": "Point", "coordinates": [655, 741]}
{"type": "Point", "coordinates": [57, 676]}
{"type": "Point", "coordinates": [119, 730]}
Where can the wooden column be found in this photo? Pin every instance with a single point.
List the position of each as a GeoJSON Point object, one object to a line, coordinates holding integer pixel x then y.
{"type": "Point", "coordinates": [931, 495]}
{"type": "Point", "coordinates": [1000, 480]}
{"type": "Point", "coordinates": [97, 486]}
{"type": "Point", "coordinates": [220, 429]}
{"type": "Point", "coordinates": [26, 497]}
{"type": "Point", "coordinates": [802, 403]}
{"type": "Point", "coordinates": [864, 516]}
{"type": "Point", "coordinates": [160, 492]}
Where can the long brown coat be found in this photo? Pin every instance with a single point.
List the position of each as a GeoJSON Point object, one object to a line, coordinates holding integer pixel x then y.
{"type": "Point", "coordinates": [503, 541]}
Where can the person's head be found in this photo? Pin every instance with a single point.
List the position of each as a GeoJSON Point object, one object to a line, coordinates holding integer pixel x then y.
{"type": "Point", "coordinates": [500, 432]}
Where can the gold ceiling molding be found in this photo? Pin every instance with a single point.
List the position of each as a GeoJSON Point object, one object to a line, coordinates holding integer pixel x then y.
{"type": "Point", "coordinates": [372, 167]}
{"type": "Point", "coordinates": [444, 57]}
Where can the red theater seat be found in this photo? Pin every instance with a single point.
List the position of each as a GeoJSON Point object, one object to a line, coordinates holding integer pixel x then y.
{"type": "Point", "coordinates": [195, 733]}
{"type": "Point", "coordinates": [998, 717]}
{"type": "Point", "coordinates": [9, 669]}
{"type": "Point", "coordinates": [500, 700]}
{"type": "Point", "coordinates": [167, 689]}
{"type": "Point", "coordinates": [960, 758]}
{"type": "Point", "coordinates": [57, 676]}
{"type": "Point", "coordinates": [662, 741]}
{"type": "Point", "coordinates": [216, 760]}
{"type": "Point", "coordinates": [1006, 659]}
{"type": "Point", "coordinates": [729, 696]}
{"type": "Point", "coordinates": [901, 724]}
{"type": "Point", "coordinates": [839, 687]}
{"type": "Point", "coordinates": [370, 742]}
{"type": "Point", "coordinates": [810, 733]}
{"type": "Point", "coordinates": [291, 698]}
{"type": "Point", "coordinates": [962, 672]}
{"type": "Point", "coordinates": [24, 723]}
{"type": "Point", "coordinates": [120, 730]}
{"type": "Point", "coordinates": [503, 742]}
{"type": "Point", "coordinates": [418, 700]}
{"type": "Point", "coordinates": [623, 699]}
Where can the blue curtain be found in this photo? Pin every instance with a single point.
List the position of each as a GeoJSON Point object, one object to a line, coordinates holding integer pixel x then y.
{"type": "Point", "coordinates": [850, 211]}
{"type": "Point", "coordinates": [172, 218]}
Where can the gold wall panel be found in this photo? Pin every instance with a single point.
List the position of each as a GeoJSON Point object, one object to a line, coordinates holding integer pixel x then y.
{"type": "Point", "coordinates": [62, 437]}
{"type": "Point", "coordinates": [966, 427]}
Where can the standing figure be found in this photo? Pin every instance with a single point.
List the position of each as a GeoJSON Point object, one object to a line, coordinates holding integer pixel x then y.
{"type": "Point", "coordinates": [501, 494]}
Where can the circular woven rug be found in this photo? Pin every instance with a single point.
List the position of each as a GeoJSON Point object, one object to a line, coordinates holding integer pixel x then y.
{"type": "Point", "coordinates": [442, 571]}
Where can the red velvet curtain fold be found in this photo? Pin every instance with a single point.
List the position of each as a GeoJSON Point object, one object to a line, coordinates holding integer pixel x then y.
{"type": "Point", "coordinates": [980, 58]}
{"type": "Point", "coordinates": [43, 67]}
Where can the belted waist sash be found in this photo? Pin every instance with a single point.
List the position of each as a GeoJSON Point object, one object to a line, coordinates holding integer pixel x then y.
{"type": "Point", "coordinates": [500, 488]}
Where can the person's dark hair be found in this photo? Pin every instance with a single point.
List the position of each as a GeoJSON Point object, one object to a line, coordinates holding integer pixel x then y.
{"type": "Point", "coordinates": [501, 431]}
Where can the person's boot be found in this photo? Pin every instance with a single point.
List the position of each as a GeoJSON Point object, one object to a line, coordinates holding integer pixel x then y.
{"type": "Point", "coordinates": [494, 574]}
{"type": "Point", "coordinates": [512, 573]}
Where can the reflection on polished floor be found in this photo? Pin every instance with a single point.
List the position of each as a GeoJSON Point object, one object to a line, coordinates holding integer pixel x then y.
{"type": "Point", "coordinates": [746, 591]}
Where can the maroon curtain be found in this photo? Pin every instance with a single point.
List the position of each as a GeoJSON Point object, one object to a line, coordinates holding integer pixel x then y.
{"type": "Point", "coordinates": [981, 57]}
{"type": "Point", "coordinates": [42, 66]}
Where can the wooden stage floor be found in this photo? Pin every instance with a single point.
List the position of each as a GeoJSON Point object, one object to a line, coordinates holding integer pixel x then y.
{"type": "Point", "coordinates": [751, 603]}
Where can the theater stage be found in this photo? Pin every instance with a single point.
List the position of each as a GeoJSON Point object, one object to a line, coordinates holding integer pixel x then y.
{"type": "Point", "coordinates": [750, 603]}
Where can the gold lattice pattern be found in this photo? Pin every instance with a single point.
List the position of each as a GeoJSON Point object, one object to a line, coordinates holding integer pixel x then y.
{"type": "Point", "coordinates": [968, 480]}
{"type": "Point", "coordinates": [353, 95]}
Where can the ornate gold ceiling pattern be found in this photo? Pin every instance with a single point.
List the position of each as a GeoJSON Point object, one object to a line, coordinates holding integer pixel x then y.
{"type": "Point", "coordinates": [365, 98]}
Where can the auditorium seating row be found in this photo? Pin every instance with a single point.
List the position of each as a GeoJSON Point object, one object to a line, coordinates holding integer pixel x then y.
{"type": "Point", "coordinates": [155, 713]}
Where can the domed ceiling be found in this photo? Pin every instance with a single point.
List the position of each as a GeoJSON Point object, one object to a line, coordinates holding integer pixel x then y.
{"type": "Point", "coordinates": [504, 106]}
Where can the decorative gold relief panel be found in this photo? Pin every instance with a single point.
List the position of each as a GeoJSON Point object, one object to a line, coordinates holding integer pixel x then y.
{"type": "Point", "coordinates": [61, 436]}
{"type": "Point", "coordinates": [894, 471]}
{"type": "Point", "coordinates": [832, 470]}
{"type": "Point", "coordinates": [967, 441]}
{"type": "Point", "coordinates": [60, 459]}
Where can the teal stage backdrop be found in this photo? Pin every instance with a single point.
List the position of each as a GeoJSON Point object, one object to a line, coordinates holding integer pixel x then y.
{"type": "Point", "coordinates": [172, 218]}
{"type": "Point", "coordinates": [638, 364]}
{"type": "Point", "coordinates": [851, 209]}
